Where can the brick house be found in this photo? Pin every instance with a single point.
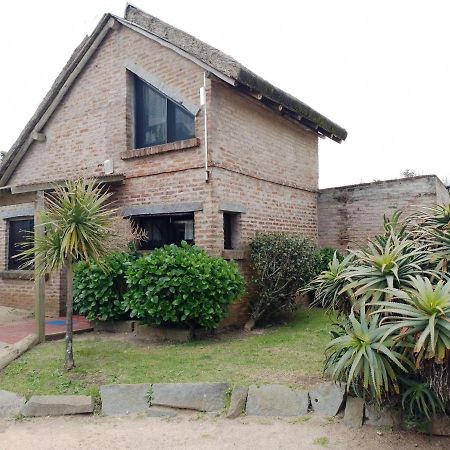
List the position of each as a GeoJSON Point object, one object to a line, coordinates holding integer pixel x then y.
{"type": "Point", "coordinates": [211, 167]}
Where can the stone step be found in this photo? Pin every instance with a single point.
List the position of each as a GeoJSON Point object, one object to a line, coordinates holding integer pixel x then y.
{"type": "Point", "coordinates": [276, 400]}
{"type": "Point", "coordinates": [206, 397]}
{"type": "Point", "coordinates": [58, 405]}
{"type": "Point", "coordinates": [11, 404]}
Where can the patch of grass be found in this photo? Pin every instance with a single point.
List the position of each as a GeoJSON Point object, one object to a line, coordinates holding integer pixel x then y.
{"type": "Point", "coordinates": [290, 354]}
{"type": "Point", "coordinates": [321, 441]}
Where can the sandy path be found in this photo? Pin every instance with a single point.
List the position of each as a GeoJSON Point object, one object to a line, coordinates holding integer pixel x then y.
{"type": "Point", "coordinates": [199, 432]}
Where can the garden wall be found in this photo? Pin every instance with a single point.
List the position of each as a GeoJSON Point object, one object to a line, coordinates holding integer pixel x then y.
{"type": "Point", "coordinates": [348, 215]}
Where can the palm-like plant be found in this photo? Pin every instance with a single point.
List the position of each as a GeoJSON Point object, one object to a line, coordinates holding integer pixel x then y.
{"type": "Point", "coordinates": [79, 225]}
{"type": "Point", "coordinates": [328, 286]}
{"type": "Point", "coordinates": [423, 313]}
{"type": "Point", "coordinates": [359, 357]}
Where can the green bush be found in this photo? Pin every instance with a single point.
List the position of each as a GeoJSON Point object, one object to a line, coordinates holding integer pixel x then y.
{"type": "Point", "coordinates": [183, 286]}
{"type": "Point", "coordinates": [97, 291]}
{"type": "Point", "coordinates": [324, 257]}
{"type": "Point", "coordinates": [282, 264]}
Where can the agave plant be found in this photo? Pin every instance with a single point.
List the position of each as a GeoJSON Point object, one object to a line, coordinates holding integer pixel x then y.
{"type": "Point", "coordinates": [423, 312]}
{"type": "Point", "coordinates": [419, 399]}
{"type": "Point", "coordinates": [386, 265]}
{"type": "Point", "coordinates": [431, 226]}
{"type": "Point", "coordinates": [328, 286]}
{"type": "Point", "coordinates": [359, 357]}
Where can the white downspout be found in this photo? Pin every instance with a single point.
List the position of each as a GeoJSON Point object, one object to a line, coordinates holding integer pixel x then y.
{"type": "Point", "coordinates": [205, 114]}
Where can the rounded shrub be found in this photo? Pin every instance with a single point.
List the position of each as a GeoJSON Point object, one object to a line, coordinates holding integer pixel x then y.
{"type": "Point", "coordinates": [98, 291]}
{"type": "Point", "coordinates": [182, 285]}
{"type": "Point", "coordinates": [281, 264]}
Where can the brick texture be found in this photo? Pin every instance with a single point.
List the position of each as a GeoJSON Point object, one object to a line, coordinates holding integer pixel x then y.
{"type": "Point", "coordinates": [349, 215]}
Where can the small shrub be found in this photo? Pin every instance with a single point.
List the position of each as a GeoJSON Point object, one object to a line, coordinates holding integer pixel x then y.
{"type": "Point", "coordinates": [325, 256]}
{"type": "Point", "coordinates": [182, 285]}
{"type": "Point", "coordinates": [281, 264]}
{"type": "Point", "coordinates": [98, 291]}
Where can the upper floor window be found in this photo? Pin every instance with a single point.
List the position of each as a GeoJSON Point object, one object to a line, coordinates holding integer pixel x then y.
{"type": "Point", "coordinates": [159, 120]}
{"type": "Point", "coordinates": [18, 233]}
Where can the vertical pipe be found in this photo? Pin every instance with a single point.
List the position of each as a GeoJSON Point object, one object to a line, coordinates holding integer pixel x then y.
{"type": "Point", "coordinates": [206, 128]}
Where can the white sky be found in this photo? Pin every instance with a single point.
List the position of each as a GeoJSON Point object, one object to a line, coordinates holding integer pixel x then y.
{"type": "Point", "coordinates": [381, 69]}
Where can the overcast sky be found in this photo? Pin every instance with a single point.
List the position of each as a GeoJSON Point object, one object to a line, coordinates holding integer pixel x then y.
{"type": "Point", "coordinates": [381, 69]}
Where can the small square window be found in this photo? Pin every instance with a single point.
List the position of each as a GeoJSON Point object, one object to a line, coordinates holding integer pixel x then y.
{"type": "Point", "coordinates": [165, 229]}
{"type": "Point", "coordinates": [19, 231]}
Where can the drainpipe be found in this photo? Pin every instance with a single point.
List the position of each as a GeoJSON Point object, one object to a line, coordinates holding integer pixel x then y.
{"type": "Point", "coordinates": [203, 103]}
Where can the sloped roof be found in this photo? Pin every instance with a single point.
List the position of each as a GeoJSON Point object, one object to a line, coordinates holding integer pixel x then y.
{"type": "Point", "coordinates": [228, 66]}
{"type": "Point", "coordinates": [218, 62]}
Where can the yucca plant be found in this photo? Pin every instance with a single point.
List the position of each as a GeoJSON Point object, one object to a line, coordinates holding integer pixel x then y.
{"type": "Point", "coordinates": [359, 357]}
{"type": "Point", "coordinates": [419, 399]}
{"type": "Point", "coordinates": [79, 226]}
{"type": "Point", "coordinates": [328, 286]}
{"type": "Point", "coordinates": [423, 312]}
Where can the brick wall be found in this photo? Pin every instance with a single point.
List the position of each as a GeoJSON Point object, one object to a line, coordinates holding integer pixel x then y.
{"type": "Point", "coordinates": [265, 164]}
{"type": "Point", "coordinates": [348, 215]}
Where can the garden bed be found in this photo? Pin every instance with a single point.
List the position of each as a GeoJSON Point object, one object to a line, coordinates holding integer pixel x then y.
{"type": "Point", "coordinates": [289, 354]}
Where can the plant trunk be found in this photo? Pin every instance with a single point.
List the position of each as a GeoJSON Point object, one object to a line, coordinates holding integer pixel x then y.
{"type": "Point", "coordinates": [69, 363]}
{"type": "Point", "coordinates": [191, 331]}
{"type": "Point", "coordinates": [250, 324]}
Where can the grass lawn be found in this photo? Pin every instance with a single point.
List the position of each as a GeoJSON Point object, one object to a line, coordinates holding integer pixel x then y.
{"type": "Point", "coordinates": [291, 354]}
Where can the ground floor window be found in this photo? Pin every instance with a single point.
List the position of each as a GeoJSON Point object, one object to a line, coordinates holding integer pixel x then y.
{"type": "Point", "coordinates": [161, 230]}
{"type": "Point", "coordinates": [230, 230]}
{"type": "Point", "coordinates": [18, 232]}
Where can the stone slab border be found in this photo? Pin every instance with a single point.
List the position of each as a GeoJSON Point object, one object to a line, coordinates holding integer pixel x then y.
{"type": "Point", "coordinates": [167, 399]}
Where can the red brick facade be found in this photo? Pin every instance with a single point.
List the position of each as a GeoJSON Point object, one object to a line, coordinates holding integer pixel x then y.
{"type": "Point", "coordinates": [261, 163]}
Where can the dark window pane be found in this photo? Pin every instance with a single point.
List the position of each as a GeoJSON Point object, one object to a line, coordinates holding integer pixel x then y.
{"type": "Point", "coordinates": [180, 123]}
{"type": "Point", "coordinates": [163, 230]}
{"type": "Point", "coordinates": [150, 115]}
{"type": "Point", "coordinates": [19, 232]}
{"type": "Point", "coordinates": [227, 231]}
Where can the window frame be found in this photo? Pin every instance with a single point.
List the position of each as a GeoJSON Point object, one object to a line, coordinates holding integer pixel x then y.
{"type": "Point", "coordinates": [231, 230]}
{"type": "Point", "coordinates": [176, 217]}
{"type": "Point", "coordinates": [13, 263]}
{"type": "Point", "coordinates": [169, 131]}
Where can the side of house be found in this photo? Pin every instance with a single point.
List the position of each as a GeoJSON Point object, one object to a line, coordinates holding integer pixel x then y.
{"type": "Point", "coordinates": [126, 110]}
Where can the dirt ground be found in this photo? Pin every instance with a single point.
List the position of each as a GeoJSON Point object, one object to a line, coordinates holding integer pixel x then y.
{"type": "Point", "coordinates": [10, 315]}
{"type": "Point", "coordinates": [199, 432]}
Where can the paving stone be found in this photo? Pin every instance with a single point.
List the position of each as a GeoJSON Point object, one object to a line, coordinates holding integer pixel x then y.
{"type": "Point", "coordinates": [327, 398]}
{"type": "Point", "coordinates": [237, 401]}
{"type": "Point", "coordinates": [160, 411]}
{"type": "Point", "coordinates": [440, 425]}
{"type": "Point", "coordinates": [197, 396]}
{"type": "Point", "coordinates": [381, 417]}
{"type": "Point", "coordinates": [354, 412]}
{"type": "Point", "coordinates": [58, 405]}
{"type": "Point", "coordinates": [10, 404]}
{"type": "Point", "coordinates": [276, 400]}
{"type": "Point", "coordinates": [125, 399]}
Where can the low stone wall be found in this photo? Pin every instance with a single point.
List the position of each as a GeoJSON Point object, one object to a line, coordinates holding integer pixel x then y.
{"type": "Point", "coordinates": [169, 399]}
{"type": "Point", "coordinates": [348, 215]}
